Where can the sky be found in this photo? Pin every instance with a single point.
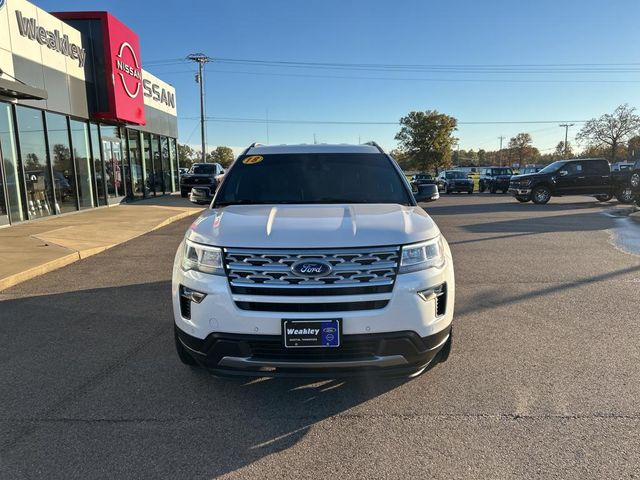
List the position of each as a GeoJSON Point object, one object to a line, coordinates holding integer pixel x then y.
{"type": "Point", "coordinates": [472, 34]}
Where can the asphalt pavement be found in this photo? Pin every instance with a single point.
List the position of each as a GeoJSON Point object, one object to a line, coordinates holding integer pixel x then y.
{"type": "Point", "coordinates": [543, 380]}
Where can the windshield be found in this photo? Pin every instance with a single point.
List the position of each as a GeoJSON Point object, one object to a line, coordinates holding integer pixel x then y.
{"type": "Point", "coordinates": [423, 177]}
{"type": "Point", "coordinates": [552, 167]}
{"type": "Point", "coordinates": [313, 178]}
{"type": "Point", "coordinates": [502, 171]}
{"type": "Point", "coordinates": [203, 169]}
{"type": "Point", "coordinates": [455, 175]}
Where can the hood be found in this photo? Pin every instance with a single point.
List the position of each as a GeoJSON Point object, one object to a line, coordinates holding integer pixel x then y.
{"type": "Point", "coordinates": [526, 176]}
{"type": "Point", "coordinates": [312, 226]}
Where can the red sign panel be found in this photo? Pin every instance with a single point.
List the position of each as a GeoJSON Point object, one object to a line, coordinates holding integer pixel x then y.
{"type": "Point", "coordinates": [122, 67]}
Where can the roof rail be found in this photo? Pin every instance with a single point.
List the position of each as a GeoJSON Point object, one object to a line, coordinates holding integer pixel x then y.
{"type": "Point", "coordinates": [253, 145]}
{"type": "Point", "coordinates": [374, 144]}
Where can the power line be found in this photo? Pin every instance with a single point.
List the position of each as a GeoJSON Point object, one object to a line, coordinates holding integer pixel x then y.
{"type": "Point", "coordinates": [354, 122]}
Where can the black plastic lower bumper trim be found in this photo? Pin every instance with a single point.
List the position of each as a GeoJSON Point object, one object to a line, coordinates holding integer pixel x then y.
{"type": "Point", "coordinates": [261, 352]}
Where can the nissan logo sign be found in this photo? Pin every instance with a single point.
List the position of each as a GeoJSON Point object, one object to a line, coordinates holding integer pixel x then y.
{"type": "Point", "coordinates": [311, 268]}
{"type": "Point", "coordinates": [129, 71]}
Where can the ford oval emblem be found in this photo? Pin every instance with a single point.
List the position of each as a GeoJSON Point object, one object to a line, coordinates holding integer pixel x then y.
{"type": "Point", "coordinates": [311, 268]}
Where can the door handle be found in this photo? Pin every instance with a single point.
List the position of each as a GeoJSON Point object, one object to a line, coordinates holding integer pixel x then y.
{"type": "Point", "coordinates": [581, 178]}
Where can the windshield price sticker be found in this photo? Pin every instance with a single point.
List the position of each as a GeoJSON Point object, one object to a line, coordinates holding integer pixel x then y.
{"type": "Point", "coordinates": [252, 160]}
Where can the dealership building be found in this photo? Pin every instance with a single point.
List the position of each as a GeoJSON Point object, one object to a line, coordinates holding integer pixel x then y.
{"type": "Point", "coordinates": [82, 124]}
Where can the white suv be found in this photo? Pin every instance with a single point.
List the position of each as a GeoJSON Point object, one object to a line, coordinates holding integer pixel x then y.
{"type": "Point", "coordinates": [313, 259]}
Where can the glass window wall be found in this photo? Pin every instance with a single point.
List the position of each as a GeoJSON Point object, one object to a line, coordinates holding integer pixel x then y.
{"type": "Point", "coordinates": [33, 155]}
{"type": "Point", "coordinates": [64, 177]}
{"type": "Point", "coordinates": [166, 167]}
{"type": "Point", "coordinates": [173, 153]}
{"type": "Point", "coordinates": [98, 166]}
{"type": "Point", "coordinates": [135, 164]}
{"type": "Point", "coordinates": [81, 156]}
{"type": "Point", "coordinates": [112, 152]}
{"type": "Point", "coordinates": [158, 183]}
{"type": "Point", "coordinates": [10, 184]}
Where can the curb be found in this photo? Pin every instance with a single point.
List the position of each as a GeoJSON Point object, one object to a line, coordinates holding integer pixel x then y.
{"type": "Point", "coordinates": [52, 265]}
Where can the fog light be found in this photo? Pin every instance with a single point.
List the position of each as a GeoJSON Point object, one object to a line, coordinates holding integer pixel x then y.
{"type": "Point", "coordinates": [439, 294]}
{"type": "Point", "coordinates": [193, 295]}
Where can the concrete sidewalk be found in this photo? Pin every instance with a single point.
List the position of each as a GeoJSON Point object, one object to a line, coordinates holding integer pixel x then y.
{"type": "Point", "coordinates": [33, 248]}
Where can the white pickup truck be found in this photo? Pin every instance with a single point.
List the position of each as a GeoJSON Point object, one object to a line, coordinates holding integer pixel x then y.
{"type": "Point", "coordinates": [314, 260]}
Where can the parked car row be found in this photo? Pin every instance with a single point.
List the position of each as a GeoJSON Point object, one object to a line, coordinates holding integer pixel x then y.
{"type": "Point", "coordinates": [581, 176]}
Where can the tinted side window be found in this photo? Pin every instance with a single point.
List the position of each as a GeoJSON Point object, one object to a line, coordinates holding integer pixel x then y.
{"type": "Point", "coordinates": [574, 168]}
{"type": "Point", "coordinates": [597, 168]}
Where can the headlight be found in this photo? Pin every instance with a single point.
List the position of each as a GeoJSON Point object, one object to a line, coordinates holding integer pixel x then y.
{"type": "Point", "coordinates": [423, 255]}
{"type": "Point", "coordinates": [202, 258]}
{"type": "Point", "coordinates": [635, 180]}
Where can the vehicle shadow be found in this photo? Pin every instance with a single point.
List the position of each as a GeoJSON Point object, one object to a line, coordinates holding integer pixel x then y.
{"type": "Point", "coordinates": [510, 205]}
{"type": "Point", "coordinates": [92, 386]}
{"type": "Point", "coordinates": [576, 222]}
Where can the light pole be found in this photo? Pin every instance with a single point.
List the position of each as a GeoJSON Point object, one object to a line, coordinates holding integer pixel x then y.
{"type": "Point", "coordinates": [500, 151]}
{"type": "Point", "coordinates": [201, 59]}
{"type": "Point", "coordinates": [566, 135]}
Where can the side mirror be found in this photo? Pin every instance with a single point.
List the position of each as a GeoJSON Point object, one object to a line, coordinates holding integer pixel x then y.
{"type": "Point", "coordinates": [563, 173]}
{"type": "Point", "coordinates": [427, 193]}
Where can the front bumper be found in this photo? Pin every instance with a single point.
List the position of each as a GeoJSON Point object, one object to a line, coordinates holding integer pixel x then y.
{"type": "Point", "coordinates": [520, 192]}
{"type": "Point", "coordinates": [200, 195]}
{"type": "Point", "coordinates": [461, 187]}
{"type": "Point", "coordinates": [264, 355]}
{"type": "Point", "coordinates": [221, 320]}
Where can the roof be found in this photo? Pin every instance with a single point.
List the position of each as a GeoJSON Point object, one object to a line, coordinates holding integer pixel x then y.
{"type": "Point", "coordinates": [313, 148]}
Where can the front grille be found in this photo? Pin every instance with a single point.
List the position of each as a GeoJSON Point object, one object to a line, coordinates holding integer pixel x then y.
{"type": "Point", "coordinates": [312, 307]}
{"type": "Point", "coordinates": [274, 349]}
{"type": "Point", "coordinates": [355, 271]}
{"type": "Point", "coordinates": [370, 267]}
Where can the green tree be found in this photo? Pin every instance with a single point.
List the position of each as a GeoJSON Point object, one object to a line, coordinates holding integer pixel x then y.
{"type": "Point", "coordinates": [426, 138]}
{"type": "Point", "coordinates": [520, 149]}
{"type": "Point", "coordinates": [186, 156]}
{"type": "Point", "coordinates": [560, 150]}
{"type": "Point", "coordinates": [633, 148]}
{"type": "Point", "coordinates": [222, 155]}
{"type": "Point", "coordinates": [611, 130]}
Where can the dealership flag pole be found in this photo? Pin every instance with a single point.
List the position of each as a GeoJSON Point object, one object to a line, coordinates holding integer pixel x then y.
{"type": "Point", "coordinates": [201, 59]}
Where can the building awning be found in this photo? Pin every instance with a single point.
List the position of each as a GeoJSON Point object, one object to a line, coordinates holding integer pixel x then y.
{"type": "Point", "coordinates": [9, 88]}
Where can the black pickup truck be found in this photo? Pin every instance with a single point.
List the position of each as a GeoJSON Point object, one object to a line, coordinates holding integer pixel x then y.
{"type": "Point", "coordinates": [634, 182]}
{"type": "Point", "coordinates": [579, 176]}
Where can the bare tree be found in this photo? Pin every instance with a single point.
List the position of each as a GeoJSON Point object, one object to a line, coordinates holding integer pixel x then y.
{"type": "Point", "coordinates": [611, 130]}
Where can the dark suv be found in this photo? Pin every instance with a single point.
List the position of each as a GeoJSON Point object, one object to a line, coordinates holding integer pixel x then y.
{"type": "Point", "coordinates": [421, 179]}
{"type": "Point", "coordinates": [200, 175]}
{"type": "Point", "coordinates": [451, 181]}
{"type": "Point", "coordinates": [494, 179]}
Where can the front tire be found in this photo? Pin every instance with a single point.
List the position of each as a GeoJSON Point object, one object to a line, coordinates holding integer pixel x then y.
{"type": "Point", "coordinates": [625, 195]}
{"type": "Point", "coordinates": [541, 195]}
{"type": "Point", "coordinates": [604, 198]}
{"type": "Point", "coordinates": [443, 356]}
{"type": "Point", "coordinates": [183, 355]}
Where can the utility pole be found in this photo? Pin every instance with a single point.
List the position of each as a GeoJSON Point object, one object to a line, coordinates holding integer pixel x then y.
{"type": "Point", "coordinates": [500, 151]}
{"type": "Point", "coordinates": [201, 59]}
{"type": "Point", "coordinates": [566, 134]}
